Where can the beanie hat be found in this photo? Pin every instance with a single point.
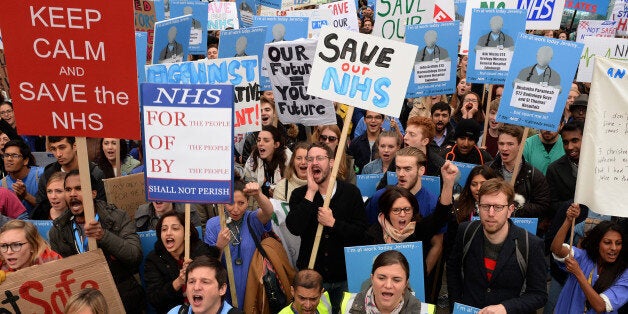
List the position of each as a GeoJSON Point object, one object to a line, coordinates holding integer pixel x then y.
{"type": "Point", "coordinates": [468, 128]}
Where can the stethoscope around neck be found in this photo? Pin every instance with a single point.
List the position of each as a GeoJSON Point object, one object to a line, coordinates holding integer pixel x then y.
{"type": "Point", "coordinates": [436, 53]}
{"type": "Point", "coordinates": [545, 73]}
{"type": "Point", "coordinates": [501, 38]}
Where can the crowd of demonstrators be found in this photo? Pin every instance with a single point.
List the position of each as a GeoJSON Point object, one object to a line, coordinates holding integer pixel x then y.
{"type": "Point", "coordinates": [268, 161]}
{"type": "Point", "coordinates": [330, 135]}
{"type": "Point", "coordinates": [388, 143]}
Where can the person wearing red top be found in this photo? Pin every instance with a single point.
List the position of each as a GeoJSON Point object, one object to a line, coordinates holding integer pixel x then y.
{"type": "Point", "coordinates": [22, 246]}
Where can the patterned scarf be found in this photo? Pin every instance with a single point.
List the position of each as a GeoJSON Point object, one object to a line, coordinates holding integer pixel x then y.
{"type": "Point", "coordinates": [392, 235]}
{"type": "Point", "coordinates": [371, 307]}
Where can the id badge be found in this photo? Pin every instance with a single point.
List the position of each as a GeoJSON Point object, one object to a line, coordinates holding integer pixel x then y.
{"type": "Point", "coordinates": [436, 59]}
{"type": "Point", "coordinates": [500, 47]}
{"type": "Point", "coordinates": [544, 84]}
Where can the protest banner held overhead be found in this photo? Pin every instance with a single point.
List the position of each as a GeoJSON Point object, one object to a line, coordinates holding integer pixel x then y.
{"type": "Point", "coordinates": [603, 165]}
{"type": "Point", "coordinates": [242, 42]}
{"type": "Point", "coordinates": [539, 81]}
{"type": "Point", "coordinates": [145, 18]}
{"type": "Point", "coordinates": [240, 72]}
{"type": "Point", "coordinates": [599, 7]}
{"type": "Point", "coordinates": [72, 67]}
{"type": "Point", "coordinates": [176, 121]}
{"type": "Point", "coordinates": [595, 28]}
{"type": "Point", "coordinates": [393, 16]}
{"type": "Point", "coordinates": [493, 44]}
{"type": "Point", "coordinates": [317, 18]}
{"type": "Point", "coordinates": [126, 192]}
{"type": "Point", "coordinates": [436, 59]}
{"type": "Point", "coordinates": [353, 69]}
{"type": "Point", "coordinates": [222, 15]}
{"type": "Point", "coordinates": [620, 15]}
{"type": "Point", "coordinates": [611, 48]}
{"type": "Point", "coordinates": [141, 48]}
{"type": "Point", "coordinates": [172, 40]}
{"type": "Point", "coordinates": [344, 13]}
{"type": "Point", "coordinates": [198, 32]}
{"type": "Point", "coordinates": [289, 64]}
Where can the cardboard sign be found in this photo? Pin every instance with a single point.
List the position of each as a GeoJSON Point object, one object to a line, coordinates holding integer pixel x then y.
{"type": "Point", "coordinates": [72, 67]}
{"type": "Point", "coordinates": [172, 40]}
{"type": "Point", "coordinates": [345, 15]}
{"type": "Point", "coordinates": [620, 15]}
{"type": "Point", "coordinates": [393, 16]}
{"type": "Point", "coordinates": [359, 262]}
{"type": "Point", "coordinates": [491, 54]}
{"type": "Point", "coordinates": [239, 72]}
{"type": "Point", "coordinates": [198, 32]}
{"type": "Point", "coordinates": [126, 192]}
{"type": "Point", "coordinates": [602, 175]}
{"type": "Point", "coordinates": [46, 288]}
{"type": "Point", "coordinates": [221, 15]}
{"type": "Point", "coordinates": [145, 18]}
{"type": "Point", "coordinates": [612, 48]}
{"type": "Point", "coordinates": [353, 69]}
{"type": "Point", "coordinates": [289, 64]}
{"type": "Point", "coordinates": [176, 121]}
{"type": "Point", "coordinates": [539, 80]}
{"type": "Point", "coordinates": [595, 28]}
{"type": "Point", "coordinates": [436, 60]}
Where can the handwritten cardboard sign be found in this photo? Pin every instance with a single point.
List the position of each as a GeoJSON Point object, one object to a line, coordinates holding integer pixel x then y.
{"type": "Point", "coordinates": [393, 17]}
{"type": "Point", "coordinates": [595, 28]}
{"type": "Point", "coordinates": [72, 67]}
{"type": "Point", "coordinates": [127, 192]}
{"type": "Point", "coordinates": [46, 288]}
{"type": "Point", "coordinates": [613, 48]}
{"type": "Point", "coordinates": [620, 15]}
{"type": "Point", "coordinates": [221, 15]}
{"type": "Point", "coordinates": [188, 136]}
{"type": "Point", "coordinates": [603, 175]}
{"type": "Point", "coordinates": [353, 69]}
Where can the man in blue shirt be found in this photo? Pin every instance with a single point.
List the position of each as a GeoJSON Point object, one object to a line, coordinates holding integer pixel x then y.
{"type": "Point", "coordinates": [23, 176]}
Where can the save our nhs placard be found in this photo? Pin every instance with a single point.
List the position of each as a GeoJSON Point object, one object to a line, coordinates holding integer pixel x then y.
{"type": "Point", "coordinates": [176, 119]}
{"type": "Point", "coordinates": [353, 69]}
{"type": "Point", "coordinates": [240, 72]}
{"type": "Point", "coordinates": [612, 48]}
{"type": "Point", "coordinates": [289, 64]}
{"type": "Point", "coordinates": [172, 40]}
{"type": "Point", "coordinates": [393, 16]}
{"type": "Point", "coordinates": [359, 260]}
{"type": "Point", "coordinates": [221, 15]}
{"type": "Point", "coordinates": [540, 77]}
{"type": "Point", "coordinates": [492, 44]}
{"type": "Point", "coordinates": [436, 58]}
{"type": "Point", "coordinates": [198, 32]}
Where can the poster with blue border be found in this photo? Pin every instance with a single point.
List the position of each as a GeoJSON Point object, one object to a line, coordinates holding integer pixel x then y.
{"type": "Point", "coordinates": [359, 261]}
{"type": "Point", "coordinates": [141, 47]}
{"type": "Point", "coordinates": [246, 10]}
{"type": "Point", "coordinates": [198, 33]}
{"type": "Point", "coordinates": [492, 44]}
{"type": "Point", "coordinates": [464, 309]}
{"type": "Point", "coordinates": [242, 42]}
{"type": "Point", "coordinates": [160, 10]}
{"type": "Point", "coordinates": [529, 224]}
{"type": "Point", "coordinates": [539, 80]}
{"type": "Point", "coordinates": [175, 125]}
{"type": "Point", "coordinates": [280, 28]}
{"type": "Point", "coordinates": [436, 59]}
{"type": "Point", "coordinates": [172, 40]}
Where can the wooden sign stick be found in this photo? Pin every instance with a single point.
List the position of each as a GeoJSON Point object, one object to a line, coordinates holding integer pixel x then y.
{"type": "Point", "coordinates": [86, 186]}
{"type": "Point", "coordinates": [515, 172]}
{"type": "Point", "coordinates": [228, 260]}
{"type": "Point", "coordinates": [487, 112]}
{"type": "Point", "coordinates": [186, 235]}
{"type": "Point", "coordinates": [332, 181]}
{"type": "Point", "coordinates": [573, 227]}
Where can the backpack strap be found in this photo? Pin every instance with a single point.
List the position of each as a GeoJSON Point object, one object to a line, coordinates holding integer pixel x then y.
{"type": "Point", "coordinates": [467, 238]}
{"type": "Point", "coordinates": [184, 309]}
{"type": "Point", "coordinates": [256, 240]}
{"type": "Point", "coordinates": [522, 255]}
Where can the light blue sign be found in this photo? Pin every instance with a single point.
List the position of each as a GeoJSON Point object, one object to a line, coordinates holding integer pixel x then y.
{"type": "Point", "coordinates": [198, 33]}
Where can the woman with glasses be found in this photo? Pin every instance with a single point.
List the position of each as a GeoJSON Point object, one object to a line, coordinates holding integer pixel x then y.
{"type": "Point", "coordinates": [237, 234]}
{"type": "Point", "coordinates": [268, 161]}
{"type": "Point", "coordinates": [470, 109]}
{"type": "Point", "coordinates": [330, 135]}
{"type": "Point", "coordinates": [22, 246]}
{"type": "Point", "coordinates": [164, 269]}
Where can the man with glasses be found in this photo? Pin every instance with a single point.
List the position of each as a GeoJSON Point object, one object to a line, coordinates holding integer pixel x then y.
{"type": "Point", "coordinates": [23, 174]}
{"type": "Point", "coordinates": [344, 221]}
{"type": "Point", "coordinates": [495, 265]}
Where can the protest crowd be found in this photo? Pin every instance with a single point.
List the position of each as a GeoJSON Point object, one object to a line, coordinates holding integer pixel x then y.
{"type": "Point", "coordinates": [445, 170]}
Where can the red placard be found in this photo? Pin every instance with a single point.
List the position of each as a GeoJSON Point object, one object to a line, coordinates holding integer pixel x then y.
{"type": "Point", "coordinates": [72, 67]}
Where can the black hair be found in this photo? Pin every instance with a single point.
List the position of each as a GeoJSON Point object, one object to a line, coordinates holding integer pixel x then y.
{"type": "Point", "coordinates": [104, 164]}
{"type": "Point", "coordinates": [591, 244]}
{"type": "Point", "coordinates": [25, 151]}
{"type": "Point", "coordinates": [56, 139]}
{"type": "Point", "coordinates": [572, 126]}
{"type": "Point", "coordinates": [194, 238]}
{"type": "Point", "coordinates": [391, 257]}
{"type": "Point", "coordinates": [75, 172]}
{"type": "Point", "coordinates": [441, 105]}
{"type": "Point", "coordinates": [394, 193]}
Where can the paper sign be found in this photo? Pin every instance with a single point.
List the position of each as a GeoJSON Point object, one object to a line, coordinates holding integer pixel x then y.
{"type": "Point", "coordinates": [246, 11]}
{"type": "Point", "coordinates": [464, 309]}
{"type": "Point", "coordinates": [353, 69]}
{"type": "Point", "coordinates": [493, 44]}
{"type": "Point", "coordinates": [289, 64]}
{"type": "Point", "coordinates": [620, 15]}
{"type": "Point", "coordinates": [46, 288]}
{"type": "Point", "coordinates": [222, 15]}
{"type": "Point", "coordinates": [242, 42]}
{"type": "Point", "coordinates": [240, 72]}
{"type": "Point", "coordinates": [539, 80]}
{"type": "Point", "coordinates": [529, 224]}
{"type": "Point", "coordinates": [444, 11]}
{"type": "Point", "coordinates": [145, 18]}
{"type": "Point", "coordinates": [172, 40]}
{"type": "Point", "coordinates": [393, 16]}
{"type": "Point", "coordinates": [198, 32]}
{"type": "Point", "coordinates": [317, 18]}
{"type": "Point", "coordinates": [612, 48]}
{"type": "Point", "coordinates": [367, 183]}
{"type": "Point", "coordinates": [72, 67]}
{"type": "Point", "coordinates": [345, 14]}
{"type": "Point", "coordinates": [176, 121]}
{"type": "Point", "coordinates": [588, 28]}
{"type": "Point", "coordinates": [126, 192]}
{"type": "Point", "coordinates": [141, 48]}
{"type": "Point", "coordinates": [464, 169]}
{"type": "Point", "coordinates": [359, 262]}
{"type": "Point", "coordinates": [436, 59]}
{"type": "Point", "coordinates": [603, 166]}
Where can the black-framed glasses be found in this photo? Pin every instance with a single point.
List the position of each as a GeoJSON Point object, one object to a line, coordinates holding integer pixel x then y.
{"type": "Point", "coordinates": [325, 138]}
{"type": "Point", "coordinates": [15, 246]}
{"type": "Point", "coordinates": [317, 158]}
{"type": "Point", "coordinates": [397, 211]}
{"type": "Point", "coordinates": [496, 207]}
{"type": "Point", "coordinates": [11, 156]}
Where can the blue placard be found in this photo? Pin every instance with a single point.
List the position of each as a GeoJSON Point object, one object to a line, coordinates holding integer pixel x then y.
{"type": "Point", "coordinates": [436, 60]}
{"type": "Point", "coordinates": [464, 171]}
{"type": "Point", "coordinates": [141, 48]}
{"type": "Point", "coordinates": [464, 309]}
{"type": "Point", "coordinates": [359, 263]}
{"type": "Point", "coordinates": [198, 32]}
{"type": "Point", "coordinates": [539, 80]}
{"type": "Point", "coordinates": [367, 183]}
{"type": "Point", "coordinates": [492, 43]}
{"type": "Point", "coordinates": [430, 183]}
{"type": "Point", "coordinates": [246, 11]}
{"type": "Point", "coordinates": [593, 6]}
{"type": "Point", "coordinates": [175, 118]}
{"type": "Point", "coordinates": [529, 224]}
{"type": "Point", "coordinates": [172, 40]}
{"type": "Point", "coordinates": [242, 42]}
{"type": "Point", "coordinates": [43, 226]}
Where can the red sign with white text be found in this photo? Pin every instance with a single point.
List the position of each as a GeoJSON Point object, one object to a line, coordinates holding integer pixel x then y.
{"type": "Point", "coordinates": [72, 67]}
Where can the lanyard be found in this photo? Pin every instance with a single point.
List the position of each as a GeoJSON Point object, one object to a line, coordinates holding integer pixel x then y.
{"type": "Point", "coordinates": [81, 245]}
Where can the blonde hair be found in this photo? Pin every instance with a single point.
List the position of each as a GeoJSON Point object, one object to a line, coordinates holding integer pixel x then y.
{"type": "Point", "coordinates": [34, 239]}
{"type": "Point", "coordinates": [87, 298]}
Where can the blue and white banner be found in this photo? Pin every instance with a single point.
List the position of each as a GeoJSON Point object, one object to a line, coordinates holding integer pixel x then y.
{"type": "Point", "coordinates": [198, 32]}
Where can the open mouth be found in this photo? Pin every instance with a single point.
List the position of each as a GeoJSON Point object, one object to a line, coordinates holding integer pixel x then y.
{"type": "Point", "coordinates": [197, 299]}
{"type": "Point", "coordinates": [265, 118]}
{"type": "Point", "coordinates": [387, 296]}
{"type": "Point", "coordinates": [75, 204]}
{"type": "Point", "coordinates": [169, 243]}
